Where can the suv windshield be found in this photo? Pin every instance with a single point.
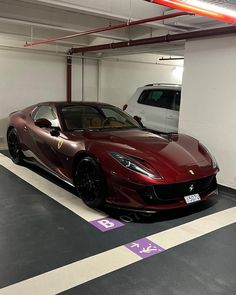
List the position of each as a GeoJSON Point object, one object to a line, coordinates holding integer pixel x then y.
{"type": "Point", "coordinates": [85, 117]}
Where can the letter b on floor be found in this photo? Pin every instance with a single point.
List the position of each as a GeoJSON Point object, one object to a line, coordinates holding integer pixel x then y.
{"type": "Point", "coordinates": [106, 223]}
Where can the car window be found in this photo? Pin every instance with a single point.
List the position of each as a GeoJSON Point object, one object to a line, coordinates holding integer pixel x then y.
{"type": "Point", "coordinates": [89, 117]}
{"type": "Point", "coordinates": [46, 112]}
{"type": "Point", "coordinates": [81, 117]}
{"type": "Point", "coordinates": [177, 100]}
{"type": "Point", "coordinates": [162, 98]}
{"type": "Point", "coordinates": [118, 119]}
{"type": "Point", "coordinates": [110, 113]}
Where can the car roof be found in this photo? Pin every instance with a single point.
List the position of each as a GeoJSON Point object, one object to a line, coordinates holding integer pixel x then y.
{"type": "Point", "coordinates": [74, 103]}
{"type": "Point", "coordinates": [162, 86]}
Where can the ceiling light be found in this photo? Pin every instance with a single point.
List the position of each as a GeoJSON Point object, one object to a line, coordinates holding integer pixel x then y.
{"type": "Point", "coordinates": [212, 7]}
{"type": "Point", "coordinates": [202, 8]}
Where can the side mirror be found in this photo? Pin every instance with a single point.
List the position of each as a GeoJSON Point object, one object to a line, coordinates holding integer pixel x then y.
{"type": "Point", "coordinates": [43, 123]}
{"type": "Point", "coordinates": [55, 131]}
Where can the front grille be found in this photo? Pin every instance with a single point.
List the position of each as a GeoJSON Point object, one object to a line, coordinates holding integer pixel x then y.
{"type": "Point", "coordinates": [173, 192]}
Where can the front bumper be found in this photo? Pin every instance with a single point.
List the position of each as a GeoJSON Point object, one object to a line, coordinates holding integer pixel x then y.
{"type": "Point", "coordinates": [147, 198]}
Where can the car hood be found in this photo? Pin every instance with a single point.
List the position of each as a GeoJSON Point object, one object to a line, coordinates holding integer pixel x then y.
{"type": "Point", "coordinates": [174, 156]}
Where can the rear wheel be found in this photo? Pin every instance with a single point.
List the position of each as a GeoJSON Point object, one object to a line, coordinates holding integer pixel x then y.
{"type": "Point", "coordinates": [14, 146]}
{"type": "Point", "coordinates": [90, 182]}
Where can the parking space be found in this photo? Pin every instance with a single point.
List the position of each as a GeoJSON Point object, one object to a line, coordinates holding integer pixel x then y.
{"type": "Point", "coordinates": [205, 265]}
{"type": "Point", "coordinates": [44, 236]}
{"type": "Point", "coordinates": [117, 147]}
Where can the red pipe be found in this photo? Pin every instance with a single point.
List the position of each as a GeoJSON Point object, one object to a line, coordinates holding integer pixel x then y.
{"type": "Point", "coordinates": [109, 28]}
{"type": "Point", "coordinates": [68, 76]}
{"type": "Point", "coordinates": [154, 40]}
{"type": "Point", "coordinates": [160, 39]}
{"type": "Point", "coordinates": [185, 6]}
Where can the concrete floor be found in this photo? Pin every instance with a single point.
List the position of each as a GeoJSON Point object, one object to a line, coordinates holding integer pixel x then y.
{"type": "Point", "coordinates": [39, 235]}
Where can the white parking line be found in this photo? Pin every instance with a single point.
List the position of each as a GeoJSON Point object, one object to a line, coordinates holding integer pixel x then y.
{"type": "Point", "coordinates": [65, 198]}
{"type": "Point", "coordinates": [82, 271]}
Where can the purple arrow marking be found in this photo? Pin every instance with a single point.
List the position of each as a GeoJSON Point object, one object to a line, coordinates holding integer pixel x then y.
{"type": "Point", "coordinates": [144, 248]}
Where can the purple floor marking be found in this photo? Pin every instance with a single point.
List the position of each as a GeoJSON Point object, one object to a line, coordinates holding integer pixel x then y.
{"type": "Point", "coordinates": [144, 248]}
{"type": "Point", "coordinates": [106, 224]}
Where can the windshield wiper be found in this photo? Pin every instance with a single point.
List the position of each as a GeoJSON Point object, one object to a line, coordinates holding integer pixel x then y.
{"type": "Point", "coordinates": [159, 132]}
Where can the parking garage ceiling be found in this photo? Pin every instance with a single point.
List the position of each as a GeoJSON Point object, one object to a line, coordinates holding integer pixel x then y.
{"type": "Point", "coordinates": [30, 21]}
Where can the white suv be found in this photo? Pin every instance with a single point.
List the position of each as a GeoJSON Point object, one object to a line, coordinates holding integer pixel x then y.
{"type": "Point", "coordinates": [157, 106]}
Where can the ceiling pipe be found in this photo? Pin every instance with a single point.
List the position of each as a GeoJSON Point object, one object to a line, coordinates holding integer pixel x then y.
{"type": "Point", "coordinates": [154, 40]}
{"type": "Point", "coordinates": [171, 58]}
{"type": "Point", "coordinates": [160, 39]}
{"type": "Point", "coordinates": [78, 57]}
{"type": "Point", "coordinates": [109, 28]}
{"type": "Point", "coordinates": [207, 10]}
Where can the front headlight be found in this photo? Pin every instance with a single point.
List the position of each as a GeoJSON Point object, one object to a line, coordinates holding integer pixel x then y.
{"type": "Point", "coordinates": [131, 164]}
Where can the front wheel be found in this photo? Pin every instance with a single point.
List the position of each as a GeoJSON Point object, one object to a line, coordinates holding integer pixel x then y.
{"type": "Point", "coordinates": [14, 146]}
{"type": "Point", "coordinates": [90, 183]}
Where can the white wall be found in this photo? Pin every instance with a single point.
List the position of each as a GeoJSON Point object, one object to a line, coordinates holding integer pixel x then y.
{"type": "Point", "coordinates": [208, 108]}
{"type": "Point", "coordinates": [76, 79]}
{"type": "Point", "coordinates": [90, 80]}
{"type": "Point", "coordinates": [29, 78]}
{"type": "Point", "coordinates": [119, 80]}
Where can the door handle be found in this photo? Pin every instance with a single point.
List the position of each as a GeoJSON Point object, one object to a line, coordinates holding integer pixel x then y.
{"type": "Point", "coordinates": [170, 117]}
{"type": "Point", "coordinates": [142, 112]}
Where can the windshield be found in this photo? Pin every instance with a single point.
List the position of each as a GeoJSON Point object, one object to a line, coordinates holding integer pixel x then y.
{"type": "Point", "coordinates": [92, 118]}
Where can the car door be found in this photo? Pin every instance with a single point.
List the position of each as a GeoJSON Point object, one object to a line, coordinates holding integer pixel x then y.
{"type": "Point", "coordinates": [151, 110]}
{"type": "Point", "coordinates": [43, 143]}
{"type": "Point", "coordinates": [172, 117]}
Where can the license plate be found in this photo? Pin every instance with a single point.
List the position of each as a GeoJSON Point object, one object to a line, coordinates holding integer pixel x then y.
{"type": "Point", "coordinates": [192, 198]}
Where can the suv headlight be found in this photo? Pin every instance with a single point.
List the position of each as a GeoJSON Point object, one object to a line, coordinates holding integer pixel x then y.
{"type": "Point", "coordinates": [133, 165]}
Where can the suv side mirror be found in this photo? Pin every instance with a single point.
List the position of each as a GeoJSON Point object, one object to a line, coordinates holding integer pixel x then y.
{"type": "Point", "coordinates": [43, 123]}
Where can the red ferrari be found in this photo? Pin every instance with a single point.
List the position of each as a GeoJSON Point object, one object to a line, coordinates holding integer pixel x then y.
{"type": "Point", "coordinates": [110, 158]}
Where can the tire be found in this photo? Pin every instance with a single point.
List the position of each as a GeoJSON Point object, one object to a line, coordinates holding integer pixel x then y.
{"type": "Point", "coordinates": [90, 183]}
{"type": "Point", "coordinates": [14, 146]}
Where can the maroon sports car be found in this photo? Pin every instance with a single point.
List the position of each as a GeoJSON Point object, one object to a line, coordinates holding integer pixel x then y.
{"type": "Point", "coordinates": [110, 158]}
